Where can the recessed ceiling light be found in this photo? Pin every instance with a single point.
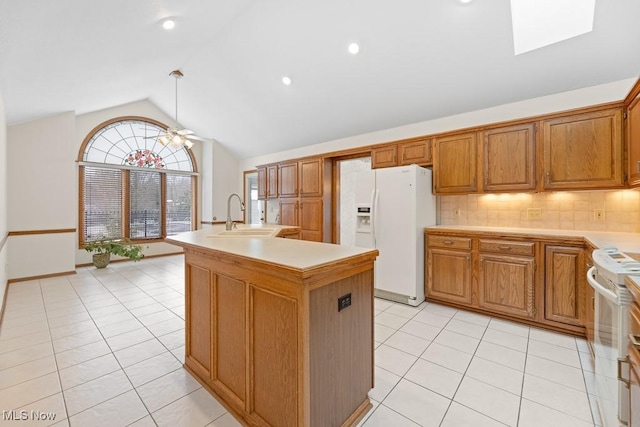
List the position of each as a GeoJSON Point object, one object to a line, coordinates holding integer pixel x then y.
{"type": "Point", "coordinates": [286, 80]}
{"type": "Point", "coordinates": [168, 24]}
{"type": "Point", "coordinates": [464, 1]}
{"type": "Point", "coordinates": [354, 48]}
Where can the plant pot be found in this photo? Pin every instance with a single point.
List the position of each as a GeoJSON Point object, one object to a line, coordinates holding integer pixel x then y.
{"type": "Point", "coordinates": [101, 260]}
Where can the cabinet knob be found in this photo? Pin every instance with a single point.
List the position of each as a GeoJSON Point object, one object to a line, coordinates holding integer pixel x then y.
{"type": "Point", "coordinates": [505, 248]}
{"type": "Point", "coordinates": [447, 242]}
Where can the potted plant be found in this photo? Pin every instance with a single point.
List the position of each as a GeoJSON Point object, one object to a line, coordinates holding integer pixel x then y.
{"type": "Point", "coordinates": [105, 247]}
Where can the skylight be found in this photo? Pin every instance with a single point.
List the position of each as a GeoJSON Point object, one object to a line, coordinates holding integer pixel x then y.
{"type": "Point", "coordinates": [539, 23]}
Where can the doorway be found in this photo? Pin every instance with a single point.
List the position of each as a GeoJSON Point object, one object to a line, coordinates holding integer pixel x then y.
{"type": "Point", "coordinates": [253, 206]}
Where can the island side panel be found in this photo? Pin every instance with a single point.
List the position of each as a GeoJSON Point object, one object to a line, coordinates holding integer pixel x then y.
{"type": "Point", "coordinates": [274, 357]}
{"type": "Point", "coordinates": [229, 339]}
{"type": "Point", "coordinates": [341, 349]}
{"type": "Point", "coordinates": [198, 293]}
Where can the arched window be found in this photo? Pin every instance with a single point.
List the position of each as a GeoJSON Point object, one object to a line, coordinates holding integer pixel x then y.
{"type": "Point", "coordinates": [131, 185]}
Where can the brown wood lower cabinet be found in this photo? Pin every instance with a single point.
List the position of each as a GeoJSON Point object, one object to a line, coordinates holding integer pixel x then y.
{"type": "Point", "coordinates": [564, 284]}
{"type": "Point", "coordinates": [633, 352]}
{"type": "Point", "coordinates": [634, 388]}
{"type": "Point", "coordinates": [533, 279]}
{"type": "Point", "coordinates": [448, 271]}
{"type": "Point", "coordinates": [506, 284]}
{"type": "Point", "coordinates": [270, 342]}
{"type": "Point", "coordinates": [307, 213]}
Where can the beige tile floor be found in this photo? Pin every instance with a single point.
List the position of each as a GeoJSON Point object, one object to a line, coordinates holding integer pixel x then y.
{"type": "Point", "coordinates": [106, 347]}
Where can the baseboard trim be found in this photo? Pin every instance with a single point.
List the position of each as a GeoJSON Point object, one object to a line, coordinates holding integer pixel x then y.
{"type": "Point", "coordinates": [89, 264]}
{"type": "Point", "coordinates": [4, 303]}
{"type": "Point", "coordinates": [42, 276]}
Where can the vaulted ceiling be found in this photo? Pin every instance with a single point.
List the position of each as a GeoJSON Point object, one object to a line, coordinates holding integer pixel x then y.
{"type": "Point", "coordinates": [419, 60]}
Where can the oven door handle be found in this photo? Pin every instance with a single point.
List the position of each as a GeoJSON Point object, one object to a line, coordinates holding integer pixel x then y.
{"type": "Point", "coordinates": [607, 293]}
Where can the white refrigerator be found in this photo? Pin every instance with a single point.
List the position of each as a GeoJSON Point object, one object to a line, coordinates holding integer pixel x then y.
{"type": "Point", "coordinates": [394, 205]}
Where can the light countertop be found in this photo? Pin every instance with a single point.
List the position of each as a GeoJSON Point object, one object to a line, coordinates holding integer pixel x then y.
{"type": "Point", "coordinates": [292, 253]}
{"type": "Point", "coordinates": [625, 242]}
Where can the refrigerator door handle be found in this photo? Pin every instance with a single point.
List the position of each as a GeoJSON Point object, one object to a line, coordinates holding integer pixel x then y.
{"type": "Point", "coordinates": [374, 215]}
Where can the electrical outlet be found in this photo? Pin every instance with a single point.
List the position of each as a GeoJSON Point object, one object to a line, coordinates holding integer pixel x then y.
{"type": "Point", "coordinates": [598, 214]}
{"type": "Point", "coordinates": [534, 213]}
{"type": "Point", "coordinates": [344, 302]}
{"type": "Point", "coordinates": [458, 212]}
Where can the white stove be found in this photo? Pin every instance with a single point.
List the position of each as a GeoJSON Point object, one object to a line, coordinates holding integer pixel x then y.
{"type": "Point", "coordinates": [612, 300]}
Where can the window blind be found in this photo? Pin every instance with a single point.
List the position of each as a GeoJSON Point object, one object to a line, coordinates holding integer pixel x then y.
{"type": "Point", "coordinates": [179, 199]}
{"type": "Point", "coordinates": [102, 197]}
{"type": "Point", "coordinates": [144, 202]}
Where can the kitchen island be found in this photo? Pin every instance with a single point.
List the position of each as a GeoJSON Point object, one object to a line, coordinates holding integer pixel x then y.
{"type": "Point", "coordinates": [280, 330]}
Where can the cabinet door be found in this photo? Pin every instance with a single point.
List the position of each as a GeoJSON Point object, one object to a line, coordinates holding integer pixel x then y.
{"type": "Point", "coordinates": [506, 285]}
{"type": "Point", "coordinates": [288, 179]}
{"type": "Point", "coordinates": [634, 388]}
{"type": "Point", "coordinates": [449, 275]}
{"type": "Point", "coordinates": [455, 163]}
{"type": "Point", "coordinates": [563, 286]}
{"type": "Point", "coordinates": [272, 182]}
{"type": "Point", "coordinates": [583, 151]}
{"type": "Point", "coordinates": [288, 212]}
{"type": "Point", "coordinates": [262, 183]}
{"type": "Point", "coordinates": [509, 158]}
{"type": "Point", "coordinates": [633, 141]}
{"type": "Point", "coordinates": [415, 152]}
{"type": "Point", "coordinates": [310, 218]}
{"type": "Point", "coordinates": [310, 177]}
{"type": "Point", "coordinates": [384, 157]}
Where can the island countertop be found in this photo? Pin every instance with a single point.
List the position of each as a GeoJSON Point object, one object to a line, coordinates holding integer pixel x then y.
{"type": "Point", "coordinates": [291, 253]}
{"type": "Point", "coordinates": [280, 330]}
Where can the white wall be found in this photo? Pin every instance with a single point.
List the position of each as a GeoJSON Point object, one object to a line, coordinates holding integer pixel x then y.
{"type": "Point", "coordinates": [220, 181]}
{"type": "Point", "coordinates": [42, 170]}
{"type": "Point", "coordinates": [610, 92]}
{"type": "Point", "coordinates": [41, 195]}
{"type": "Point", "coordinates": [3, 203]}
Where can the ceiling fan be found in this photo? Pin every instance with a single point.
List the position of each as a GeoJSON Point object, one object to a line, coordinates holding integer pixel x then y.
{"type": "Point", "coordinates": [173, 137]}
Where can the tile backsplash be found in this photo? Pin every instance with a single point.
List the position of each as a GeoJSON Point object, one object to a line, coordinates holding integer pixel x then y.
{"type": "Point", "coordinates": [559, 210]}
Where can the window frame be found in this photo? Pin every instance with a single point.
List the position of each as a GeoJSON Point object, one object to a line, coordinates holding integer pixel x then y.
{"type": "Point", "coordinates": [125, 183]}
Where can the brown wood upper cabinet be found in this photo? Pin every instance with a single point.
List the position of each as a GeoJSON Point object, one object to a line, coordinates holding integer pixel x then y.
{"type": "Point", "coordinates": [406, 152]}
{"type": "Point", "coordinates": [583, 151]}
{"type": "Point", "coordinates": [262, 182]}
{"type": "Point", "coordinates": [455, 163]}
{"type": "Point", "coordinates": [288, 179]}
{"type": "Point", "coordinates": [311, 177]}
{"type": "Point", "coordinates": [633, 141]}
{"type": "Point", "coordinates": [384, 156]}
{"type": "Point", "coordinates": [417, 151]}
{"type": "Point", "coordinates": [267, 182]}
{"type": "Point", "coordinates": [272, 182]}
{"type": "Point", "coordinates": [509, 158]}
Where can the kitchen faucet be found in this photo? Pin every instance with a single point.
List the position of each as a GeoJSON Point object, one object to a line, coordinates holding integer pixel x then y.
{"type": "Point", "coordinates": [230, 223]}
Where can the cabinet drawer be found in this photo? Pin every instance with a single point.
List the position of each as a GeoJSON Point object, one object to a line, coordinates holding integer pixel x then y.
{"type": "Point", "coordinates": [507, 247]}
{"type": "Point", "coordinates": [449, 242]}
